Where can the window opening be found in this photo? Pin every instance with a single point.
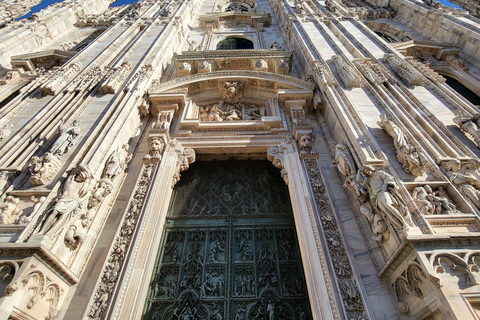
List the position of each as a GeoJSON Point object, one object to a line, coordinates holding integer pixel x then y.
{"type": "Point", "coordinates": [235, 44]}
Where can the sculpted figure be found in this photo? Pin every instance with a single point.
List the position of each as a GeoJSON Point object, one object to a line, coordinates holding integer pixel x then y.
{"type": "Point", "coordinates": [420, 196]}
{"type": "Point", "coordinates": [233, 91]}
{"type": "Point", "coordinates": [156, 148]}
{"type": "Point", "coordinates": [5, 130]}
{"type": "Point", "coordinates": [384, 196]}
{"type": "Point", "coordinates": [117, 163]}
{"type": "Point", "coordinates": [344, 160]}
{"type": "Point", "coordinates": [408, 156]}
{"type": "Point", "coordinates": [10, 211]}
{"type": "Point", "coordinates": [305, 142]}
{"type": "Point", "coordinates": [467, 182]}
{"type": "Point", "coordinates": [72, 201]}
{"type": "Point", "coordinates": [67, 136]}
{"type": "Point", "coordinates": [468, 124]}
{"type": "Point", "coordinates": [441, 204]}
{"type": "Point", "coordinates": [43, 169]}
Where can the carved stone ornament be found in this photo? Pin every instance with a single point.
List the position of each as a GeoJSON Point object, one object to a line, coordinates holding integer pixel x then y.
{"type": "Point", "coordinates": [5, 130]}
{"type": "Point", "coordinates": [344, 160]}
{"type": "Point", "coordinates": [116, 78]}
{"type": "Point", "coordinates": [164, 120]}
{"type": "Point", "coordinates": [458, 63]}
{"type": "Point", "coordinates": [404, 70]}
{"type": "Point", "coordinates": [44, 169]}
{"type": "Point", "coordinates": [185, 158]}
{"type": "Point", "coordinates": [410, 157]}
{"type": "Point", "coordinates": [231, 112]}
{"type": "Point", "coordinates": [117, 254]}
{"type": "Point", "coordinates": [350, 294]}
{"type": "Point", "coordinates": [374, 218]}
{"type": "Point", "coordinates": [468, 124]}
{"type": "Point", "coordinates": [66, 138]}
{"type": "Point", "coordinates": [10, 210]}
{"type": "Point", "coordinates": [276, 157]}
{"type": "Point", "coordinates": [370, 71]}
{"type": "Point", "coordinates": [433, 203]}
{"type": "Point", "coordinates": [232, 91]}
{"type": "Point", "coordinates": [465, 178]}
{"type": "Point", "coordinates": [117, 163]}
{"type": "Point", "coordinates": [157, 145]}
{"type": "Point", "coordinates": [305, 142]}
{"type": "Point", "coordinates": [384, 197]}
{"type": "Point", "coordinates": [60, 79]}
{"type": "Point", "coordinates": [72, 202]}
{"type": "Point", "coordinates": [349, 77]}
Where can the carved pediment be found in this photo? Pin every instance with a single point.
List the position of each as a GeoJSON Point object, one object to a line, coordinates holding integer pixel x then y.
{"type": "Point", "coordinates": [419, 48]}
{"type": "Point", "coordinates": [44, 59]}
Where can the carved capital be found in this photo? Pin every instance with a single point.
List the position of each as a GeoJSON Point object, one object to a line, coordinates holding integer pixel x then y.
{"type": "Point", "coordinates": [275, 155]}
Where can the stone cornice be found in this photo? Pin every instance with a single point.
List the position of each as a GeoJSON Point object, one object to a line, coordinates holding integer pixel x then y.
{"type": "Point", "coordinates": [426, 241]}
{"type": "Point", "coordinates": [21, 250]}
{"type": "Point", "coordinates": [225, 54]}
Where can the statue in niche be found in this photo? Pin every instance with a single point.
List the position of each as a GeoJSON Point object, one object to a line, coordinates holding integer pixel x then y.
{"type": "Point", "coordinates": [468, 124]}
{"type": "Point", "coordinates": [233, 91]}
{"type": "Point", "coordinates": [72, 201]}
{"type": "Point", "coordinates": [384, 196]}
{"type": "Point", "coordinates": [344, 161]}
{"type": "Point", "coordinates": [467, 182]}
{"type": "Point", "coordinates": [67, 136]}
{"type": "Point", "coordinates": [5, 130]}
{"type": "Point", "coordinates": [410, 157]}
{"type": "Point", "coordinates": [441, 202]}
{"type": "Point", "coordinates": [117, 163]}
{"type": "Point", "coordinates": [10, 210]}
{"type": "Point", "coordinates": [243, 248]}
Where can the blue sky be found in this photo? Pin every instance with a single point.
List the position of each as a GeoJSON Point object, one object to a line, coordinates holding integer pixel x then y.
{"type": "Point", "coordinates": [46, 3]}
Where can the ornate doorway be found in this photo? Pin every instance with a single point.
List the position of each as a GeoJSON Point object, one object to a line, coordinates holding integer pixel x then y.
{"type": "Point", "coordinates": [229, 249]}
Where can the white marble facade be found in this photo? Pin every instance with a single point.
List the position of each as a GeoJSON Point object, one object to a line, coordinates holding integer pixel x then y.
{"type": "Point", "coordinates": [104, 107]}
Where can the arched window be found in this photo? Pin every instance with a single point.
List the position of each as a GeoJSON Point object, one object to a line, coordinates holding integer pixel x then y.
{"type": "Point", "coordinates": [234, 44]}
{"type": "Point", "coordinates": [461, 89]}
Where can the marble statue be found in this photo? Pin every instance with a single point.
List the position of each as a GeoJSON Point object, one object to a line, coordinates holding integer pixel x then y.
{"type": "Point", "coordinates": [117, 163]}
{"type": "Point", "coordinates": [72, 201]}
{"type": "Point", "coordinates": [410, 157]}
{"type": "Point", "coordinates": [344, 161]}
{"type": "Point", "coordinates": [67, 136]}
{"type": "Point", "coordinates": [467, 183]}
{"type": "Point", "coordinates": [384, 196]}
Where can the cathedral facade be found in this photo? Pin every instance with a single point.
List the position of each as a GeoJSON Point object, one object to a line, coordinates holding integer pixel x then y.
{"type": "Point", "coordinates": [251, 159]}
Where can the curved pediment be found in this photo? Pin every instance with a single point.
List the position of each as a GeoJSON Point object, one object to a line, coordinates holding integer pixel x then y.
{"type": "Point", "coordinates": [213, 80]}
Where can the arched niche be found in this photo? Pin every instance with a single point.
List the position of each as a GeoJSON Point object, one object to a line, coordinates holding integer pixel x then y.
{"type": "Point", "coordinates": [235, 43]}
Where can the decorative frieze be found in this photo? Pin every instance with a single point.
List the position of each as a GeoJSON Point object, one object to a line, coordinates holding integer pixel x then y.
{"type": "Point", "coordinates": [404, 70]}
